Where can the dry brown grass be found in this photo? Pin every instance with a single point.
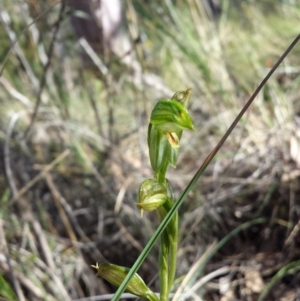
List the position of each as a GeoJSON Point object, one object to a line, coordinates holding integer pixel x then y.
{"type": "Point", "coordinates": [68, 189]}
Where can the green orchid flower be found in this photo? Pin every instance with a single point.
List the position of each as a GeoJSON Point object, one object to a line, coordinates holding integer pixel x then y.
{"type": "Point", "coordinates": [171, 116]}
{"type": "Point", "coordinates": [168, 119]}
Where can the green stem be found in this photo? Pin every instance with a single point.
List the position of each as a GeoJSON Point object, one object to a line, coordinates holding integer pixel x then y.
{"type": "Point", "coordinates": [168, 252]}
{"type": "Point", "coordinates": [163, 267]}
{"type": "Point", "coordinates": [161, 175]}
{"type": "Point", "coordinates": [164, 277]}
{"type": "Point", "coordinates": [172, 232]}
{"type": "Point", "coordinates": [173, 251]}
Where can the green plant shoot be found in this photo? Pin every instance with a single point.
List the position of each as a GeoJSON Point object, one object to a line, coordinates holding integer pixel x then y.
{"type": "Point", "coordinates": [168, 119]}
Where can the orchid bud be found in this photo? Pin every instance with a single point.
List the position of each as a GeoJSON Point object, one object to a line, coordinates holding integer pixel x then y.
{"type": "Point", "coordinates": [171, 116]}
{"type": "Point", "coordinates": [183, 97]}
{"type": "Point", "coordinates": [152, 195]}
{"type": "Point", "coordinates": [116, 274]}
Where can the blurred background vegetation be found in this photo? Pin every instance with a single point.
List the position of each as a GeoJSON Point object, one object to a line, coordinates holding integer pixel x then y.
{"type": "Point", "coordinates": [76, 92]}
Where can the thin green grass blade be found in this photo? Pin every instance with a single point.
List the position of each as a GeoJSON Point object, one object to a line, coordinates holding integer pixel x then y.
{"type": "Point", "coordinates": [290, 268]}
{"type": "Point", "coordinates": [217, 247]}
{"type": "Point", "coordinates": [6, 290]}
{"type": "Point", "coordinates": [199, 173]}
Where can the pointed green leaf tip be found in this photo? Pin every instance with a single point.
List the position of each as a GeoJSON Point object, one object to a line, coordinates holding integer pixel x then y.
{"type": "Point", "coordinates": [171, 116]}
{"type": "Point", "coordinates": [151, 195]}
{"type": "Point", "coordinates": [116, 274]}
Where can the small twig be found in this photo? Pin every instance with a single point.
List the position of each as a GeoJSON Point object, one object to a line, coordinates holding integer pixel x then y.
{"type": "Point", "coordinates": [100, 224]}
{"type": "Point", "coordinates": [39, 232]}
{"type": "Point", "coordinates": [94, 57]}
{"type": "Point", "coordinates": [57, 197]}
{"type": "Point", "coordinates": [46, 67]}
{"type": "Point", "coordinates": [130, 238]}
{"type": "Point", "coordinates": [292, 235]}
{"type": "Point", "coordinates": [208, 277]}
{"type": "Point", "coordinates": [40, 175]}
{"type": "Point", "coordinates": [14, 93]}
{"type": "Point", "coordinates": [106, 297]}
{"type": "Point", "coordinates": [121, 194]}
